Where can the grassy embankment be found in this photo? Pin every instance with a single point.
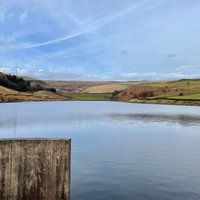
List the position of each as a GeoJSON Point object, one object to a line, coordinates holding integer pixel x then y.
{"type": "Point", "coordinates": [188, 90]}
{"type": "Point", "coordinates": [184, 92]}
{"type": "Point", "coordinates": [90, 96]}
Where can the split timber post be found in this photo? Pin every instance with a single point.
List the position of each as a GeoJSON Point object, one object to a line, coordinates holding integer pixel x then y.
{"type": "Point", "coordinates": [35, 169]}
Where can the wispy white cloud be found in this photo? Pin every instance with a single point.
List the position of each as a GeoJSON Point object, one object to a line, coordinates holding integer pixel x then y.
{"type": "Point", "coordinates": [5, 15]}
{"type": "Point", "coordinates": [7, 70]}
{"type": "Point", "coordinates": [108, 19]}
{"type": "Point", "coordinates": [23, 17]}
{"type": "Point", "coordinates": [154, 76]}
{"type": "Point", "coordinates": [102, 38]}
{"type": "Point", "coordinates": [188, 68]}
{"type": "Point", "coordinates": [87, 28]}
{"type": "Point", "coordinates": [8, 43]}
{"type": "Point", "coordinates": [68, 74]}
{"type": "Point", "coordinates": [2, 38]}
{"type": "Point", "coordinates": [55, 41]}
{"type": "Point", "coordinates": [52, 74]}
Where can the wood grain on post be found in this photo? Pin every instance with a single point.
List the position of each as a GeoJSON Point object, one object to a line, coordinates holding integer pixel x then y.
{"type": "Point", "coordinates": [35, 169]}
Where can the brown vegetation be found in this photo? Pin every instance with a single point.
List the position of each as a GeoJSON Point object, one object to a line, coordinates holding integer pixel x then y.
{"type": "Point", "coordinates": [186, 92]}
{"type": "Point", "coordinates": [181, 92]}
{"type": "Point", "coordinates": [8, 95]}
{"type": "Point", "coordinates": [137, 92]}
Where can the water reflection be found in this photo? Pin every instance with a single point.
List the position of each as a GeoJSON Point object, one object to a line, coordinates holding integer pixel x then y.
{"type": "Point", "coordinates": [119, 150]}
{"type": "Point", "coordinates": [183, 120]}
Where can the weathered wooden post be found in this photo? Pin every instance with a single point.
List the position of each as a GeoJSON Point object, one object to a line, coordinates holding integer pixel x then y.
{"type": "Point", "coordinates": [35, 169]}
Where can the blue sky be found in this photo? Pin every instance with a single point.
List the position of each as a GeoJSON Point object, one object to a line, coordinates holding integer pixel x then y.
{"type": "Point", "coordinates": [101, 40]}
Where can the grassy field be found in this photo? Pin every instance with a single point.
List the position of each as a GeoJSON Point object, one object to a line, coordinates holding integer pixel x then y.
{"type": "Point", "coordinates": [191, 97]}
{"type": "Point", "coordinates": [185, 83]}
{"type": "Point", "coordinates": [90, 96]}
{"type": "Point", "coordinates": [179, 92]}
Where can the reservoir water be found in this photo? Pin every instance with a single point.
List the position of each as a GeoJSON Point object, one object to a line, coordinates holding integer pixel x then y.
{"type": "Point", "coordinates": [119, 150]}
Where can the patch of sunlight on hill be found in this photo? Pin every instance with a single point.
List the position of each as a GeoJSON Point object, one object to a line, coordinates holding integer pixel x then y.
{"type": "Point", "coordinates": [4, 89]}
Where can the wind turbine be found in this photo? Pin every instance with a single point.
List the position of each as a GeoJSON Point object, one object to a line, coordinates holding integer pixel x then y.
{"type": "Point", "coordinates": [16, 70]}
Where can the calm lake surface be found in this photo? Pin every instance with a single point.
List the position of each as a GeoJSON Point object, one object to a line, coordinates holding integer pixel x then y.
{"type": "Point", "coordinates": [119, 150]}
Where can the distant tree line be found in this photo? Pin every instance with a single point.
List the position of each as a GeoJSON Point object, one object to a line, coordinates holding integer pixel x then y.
{"type": "Point", "coordinates": [17, 83]}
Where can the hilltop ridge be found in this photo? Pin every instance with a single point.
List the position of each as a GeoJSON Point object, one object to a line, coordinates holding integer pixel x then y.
{"type": "Point", "coordinates": [184, 92]}
{"type": "Point", "coordinates": [16, 89]}
{"type": "Point", "coordinates": [180, 92]}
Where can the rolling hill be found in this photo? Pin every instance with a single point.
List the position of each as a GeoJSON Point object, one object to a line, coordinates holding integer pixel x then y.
{"type": "Point", "coordinates": [180, 92]}
{"type": "Point", "coordinates": [184, 92]}
{"type": "Point", "coordinates": [16, 89]}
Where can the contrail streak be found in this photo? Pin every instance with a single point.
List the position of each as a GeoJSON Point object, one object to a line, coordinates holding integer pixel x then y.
{"type": "Point", "coordinates": [87, 29]}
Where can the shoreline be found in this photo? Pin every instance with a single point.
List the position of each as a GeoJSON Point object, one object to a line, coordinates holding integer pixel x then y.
{"type": "Point", "coordinates": [180, 103]}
